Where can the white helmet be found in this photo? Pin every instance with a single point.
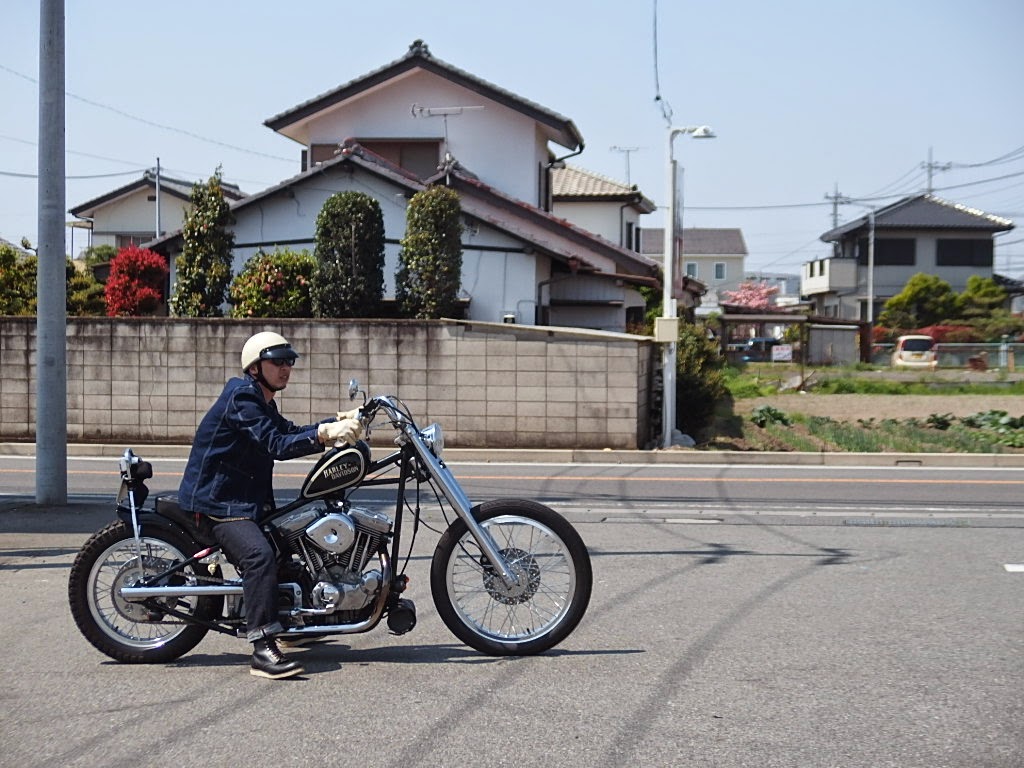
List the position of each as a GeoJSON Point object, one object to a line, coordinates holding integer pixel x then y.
{"type": "Point", "coordinates": [266, 346]}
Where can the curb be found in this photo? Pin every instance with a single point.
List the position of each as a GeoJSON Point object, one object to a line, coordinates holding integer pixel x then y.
{"type": "Point", "coordinates": [680, 456]}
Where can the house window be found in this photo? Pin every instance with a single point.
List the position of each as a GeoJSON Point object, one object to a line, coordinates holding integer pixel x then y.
{"type": "Point", "coordinates": [126, 241]}
{"type": "Point", "coordinates": [889, 252]}
{"type": "Point", "coordinates": [719, 270]}
{"type": "Point", "coordinates": [630, 230]}
{"type": "Point", "coordinates": [691, 269]}
{"type": "Point", "coordinates": [963, 253]}
{"type": "Point", "coordinates": [419, 157]}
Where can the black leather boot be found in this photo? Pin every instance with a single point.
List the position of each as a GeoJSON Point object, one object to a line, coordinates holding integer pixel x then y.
{"type": "Point", "coordinates": [268, 661]}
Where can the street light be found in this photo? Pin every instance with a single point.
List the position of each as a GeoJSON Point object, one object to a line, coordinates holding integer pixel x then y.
{"type": "Point", "coordinates": [669, 331]}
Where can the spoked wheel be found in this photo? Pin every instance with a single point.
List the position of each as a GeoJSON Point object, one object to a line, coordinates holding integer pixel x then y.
{"type": "Point", "coordinates": [131, 632]}
{"type": "Point", "coordinates": [551, 592]}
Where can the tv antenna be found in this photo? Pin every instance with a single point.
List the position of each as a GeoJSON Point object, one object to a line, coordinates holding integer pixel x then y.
{"type": "Point", "coordinates": [627, 151]}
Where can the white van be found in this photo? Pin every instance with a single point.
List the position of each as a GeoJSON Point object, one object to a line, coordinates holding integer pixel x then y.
{"type": "Point", "coordinates": [915, 352]}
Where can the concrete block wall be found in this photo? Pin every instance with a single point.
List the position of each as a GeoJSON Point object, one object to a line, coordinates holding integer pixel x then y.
{"type": "Point", "coordinates": [138, 380]}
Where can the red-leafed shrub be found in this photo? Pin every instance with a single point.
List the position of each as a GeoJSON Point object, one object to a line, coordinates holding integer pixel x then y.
{"type": "Point", "coordinates": [136, 283]}
{"type": "Point", "coordinates": [951, 334]}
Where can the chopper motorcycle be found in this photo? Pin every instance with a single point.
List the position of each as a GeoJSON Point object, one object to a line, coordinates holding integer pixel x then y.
{"type": "Point", "coordinates": [507, 577]}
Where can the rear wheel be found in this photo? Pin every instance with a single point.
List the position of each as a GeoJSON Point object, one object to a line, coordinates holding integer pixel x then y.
{"type": "Point", "coordinates": [553, 573]}
{"type": "Point", "coordinates": [131, 632]}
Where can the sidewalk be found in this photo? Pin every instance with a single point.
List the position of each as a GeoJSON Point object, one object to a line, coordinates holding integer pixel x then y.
{"type": "Point", "coordinates": [574, 456]}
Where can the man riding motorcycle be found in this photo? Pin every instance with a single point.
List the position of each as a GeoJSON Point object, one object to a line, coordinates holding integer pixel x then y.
{"type": "Point", "coordinates": [229, 476]}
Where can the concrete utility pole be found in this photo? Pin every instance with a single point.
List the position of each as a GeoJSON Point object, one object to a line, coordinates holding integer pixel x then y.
{"type": "Point", "coordinates": [51, 292]}
{"type": "Point", "coordinates": [931, 166]}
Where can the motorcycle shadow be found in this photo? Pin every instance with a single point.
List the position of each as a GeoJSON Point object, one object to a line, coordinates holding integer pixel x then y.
{"type": "Point", "coordinates": [330, 656]}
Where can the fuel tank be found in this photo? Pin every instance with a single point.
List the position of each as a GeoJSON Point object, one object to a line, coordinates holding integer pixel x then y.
{"type": "Point", "coordinates": [338, 468]}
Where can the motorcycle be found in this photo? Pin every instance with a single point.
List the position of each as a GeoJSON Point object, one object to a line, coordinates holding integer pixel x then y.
{"type": "Point", "coordinates": [507, 577]}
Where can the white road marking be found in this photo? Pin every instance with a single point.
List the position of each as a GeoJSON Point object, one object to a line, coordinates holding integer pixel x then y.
{"type": "Point", "coordinates": [1014, 567]}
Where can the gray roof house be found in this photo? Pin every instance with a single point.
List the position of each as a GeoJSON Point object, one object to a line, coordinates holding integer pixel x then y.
{"type": "Point", "coordinates": [127, 215]}
{"type": "Point", "coordinates": [419, 121]}
{"type": "Point", "coordinates": [714, 257]}
{"type": "Point", "coordinates": [922, 233]}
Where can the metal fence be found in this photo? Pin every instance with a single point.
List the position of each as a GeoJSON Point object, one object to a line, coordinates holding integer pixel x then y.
{"type": "Point", "coordinates": [1002, 356]}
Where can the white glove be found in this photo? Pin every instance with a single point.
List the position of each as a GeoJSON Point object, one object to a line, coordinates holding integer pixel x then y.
{"type": "Point", "coordinates": [339, 433]}
{"type": "Point", "coordinates": [353, 414]}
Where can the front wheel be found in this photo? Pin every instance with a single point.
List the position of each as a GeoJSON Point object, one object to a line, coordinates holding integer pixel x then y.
{"type": "Point", "coordinates": [553, 585]}
{"type": "Point", "coordinates": [131, 632]}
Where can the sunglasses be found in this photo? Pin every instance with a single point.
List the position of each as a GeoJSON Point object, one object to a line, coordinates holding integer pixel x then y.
{"type": "Point", "coordinates": [289, 361]}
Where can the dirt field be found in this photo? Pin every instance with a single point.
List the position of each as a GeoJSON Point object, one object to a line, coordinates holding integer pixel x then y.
{"type": "Point", "coordinates": [854, 407]}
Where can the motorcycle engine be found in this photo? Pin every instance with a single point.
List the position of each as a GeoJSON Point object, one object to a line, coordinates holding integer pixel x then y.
{"type": "Point", "coordinates": [336, 547]}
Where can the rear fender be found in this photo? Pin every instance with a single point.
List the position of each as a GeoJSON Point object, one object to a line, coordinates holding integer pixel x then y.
{"type": "Point", "coordinates": [152, 523]}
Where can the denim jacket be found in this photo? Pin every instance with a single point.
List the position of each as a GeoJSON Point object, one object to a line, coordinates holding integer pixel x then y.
{"type": "Point", "coordinates": [231, 465]}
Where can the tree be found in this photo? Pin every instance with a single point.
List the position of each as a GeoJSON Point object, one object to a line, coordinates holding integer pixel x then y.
{"type": "Point", "coordinates": [85, 292]}
{"type": "Point", "coordinates": [430, 262]}
{"type": "Point", "coordinates": [99, 254]}
{"type": "Point", "coordinates": [349, 280]}
{"type": "Point", "coordinates": [135, 285]}
{"type": "Point", "coordinates": [204, 267]}
{"type": "Point", "coordinates": [924, 300]}
{"type": "Point", "coordinates": [17, 281]}
{"type": "Point", "coordinates": [752, 295]}
{"type": "Point", "coordinates": [274, 285]}
{"type": "Point", "coordinates": [700, 380]}
{"type": "Point", "coordinates": [981, 298]}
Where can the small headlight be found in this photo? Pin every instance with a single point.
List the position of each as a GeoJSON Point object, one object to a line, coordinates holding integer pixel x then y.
{"type": "Point", "coordinates": [433, 436]}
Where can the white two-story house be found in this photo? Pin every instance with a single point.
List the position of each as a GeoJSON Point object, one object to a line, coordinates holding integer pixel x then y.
{"type": "Point", "coordinates": [139, 211]}
{"type": "Point", "coordinates": [420, 121]}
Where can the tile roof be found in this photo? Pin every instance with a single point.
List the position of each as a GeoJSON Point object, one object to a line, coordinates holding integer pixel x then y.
{"type": "Point", "coordinates": [697, 241]}
{"type": "Point", "coordinates": [175, 187]}
{"type": "Point", "coordinates": [419, 57]}
{"type": "Point", "coordinates": [574, 184]}
{"type": "Point", "coordinates": [924, 212]}
{"type": "Point", "coordinates": [631, 262]}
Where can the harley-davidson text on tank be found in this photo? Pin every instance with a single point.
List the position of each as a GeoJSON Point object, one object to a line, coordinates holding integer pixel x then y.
{"type": "Point", "coordinates": [336, 470]}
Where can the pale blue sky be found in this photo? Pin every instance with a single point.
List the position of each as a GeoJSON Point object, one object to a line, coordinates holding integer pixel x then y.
{"type": "Point", "coordinates": [803, 95]}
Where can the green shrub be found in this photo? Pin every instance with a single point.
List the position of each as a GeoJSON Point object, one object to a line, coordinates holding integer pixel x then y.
{"type": "Point", "coordinates": [349, 279]}
{"type": "Point", "coordinates": [766, 414]}
{"type": "Point", "coordinates": [275, 284]}
{"type": "Point", "coordinates": [430, 263]}
{"type": "Point", "coordinates": [700, 380]}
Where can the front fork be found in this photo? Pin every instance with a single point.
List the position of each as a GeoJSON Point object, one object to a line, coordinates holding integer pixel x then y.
{"type": "Point", "coordinates": [464, 509]}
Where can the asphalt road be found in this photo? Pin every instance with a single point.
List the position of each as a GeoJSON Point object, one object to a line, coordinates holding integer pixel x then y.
{"type": "Point", "coordinates": [756, 641]}
{"type": "Point", "coordinates": [716, 491]}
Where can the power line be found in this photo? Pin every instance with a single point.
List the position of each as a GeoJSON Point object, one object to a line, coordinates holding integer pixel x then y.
{"type": "Point", "coordinates": [90, 176]}
{"type": "Point", "coordinates": [666, 108]}
{"type": "Point", "coordinates": [1009, 157]}
{"type": "Point", "coordinates": [120, 161]}
{"type": "Point", "coordinates": [154, 124]}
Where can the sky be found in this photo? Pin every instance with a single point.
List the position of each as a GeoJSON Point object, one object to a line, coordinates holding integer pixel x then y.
{"type": "Point", "coordinates": [806, 98]}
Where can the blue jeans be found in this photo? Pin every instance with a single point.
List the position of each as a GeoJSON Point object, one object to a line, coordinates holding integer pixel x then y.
{"type": "Point", "coordinates": [251, 553]}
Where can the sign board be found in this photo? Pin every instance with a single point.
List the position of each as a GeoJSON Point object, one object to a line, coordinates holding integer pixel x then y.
{"type": "Point", "coordinates": [782, 353]}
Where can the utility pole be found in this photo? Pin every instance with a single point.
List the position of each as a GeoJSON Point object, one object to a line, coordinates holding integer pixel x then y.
{"type": "Point", "coordinates": [835, 198]}
{"type": "Point", "coordinates": [931, 167]}
{"type": "Point", "coordinates": [51, 292]}
{"type": "Point", "coordinates": [157, 181]}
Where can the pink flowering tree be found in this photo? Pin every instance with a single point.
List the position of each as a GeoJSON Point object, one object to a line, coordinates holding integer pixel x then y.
{"type": "Point", "coordinates": [752, 295]}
